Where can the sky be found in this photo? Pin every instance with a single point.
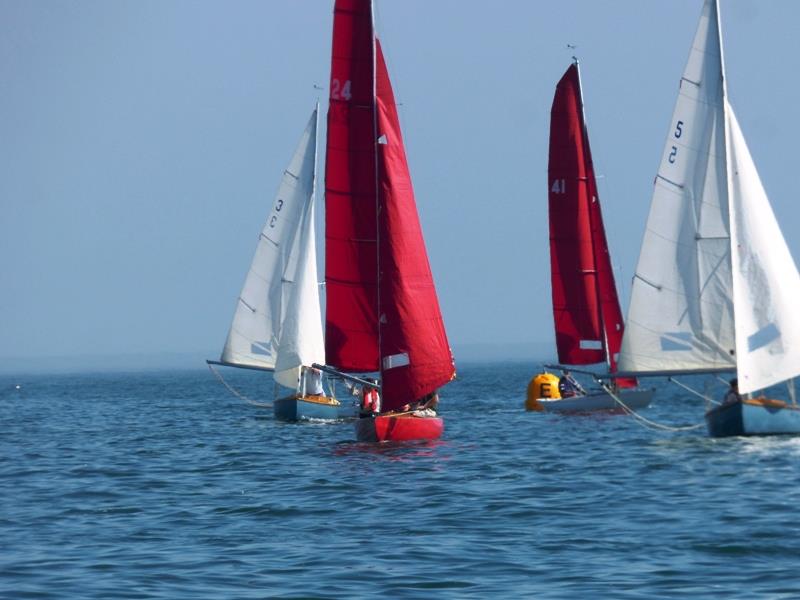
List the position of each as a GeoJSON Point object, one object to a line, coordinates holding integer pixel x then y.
{"type": "Point", "coordinates": [142, 142]}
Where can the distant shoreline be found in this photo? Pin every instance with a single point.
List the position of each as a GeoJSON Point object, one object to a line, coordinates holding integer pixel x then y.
{"type": "Point", "coordinates": [160, 361]}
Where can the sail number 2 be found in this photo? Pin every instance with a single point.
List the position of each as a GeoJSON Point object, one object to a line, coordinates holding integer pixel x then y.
{"type": "Point", "coordinates": [674, 150]}
{"type": "Point", "coordinates": [340, 91]}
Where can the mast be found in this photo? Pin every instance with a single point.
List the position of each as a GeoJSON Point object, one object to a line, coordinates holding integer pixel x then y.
{"type": "Point", "coordinates": [726, 135]}
{"type": "Point", "coordinates": [373, 38]}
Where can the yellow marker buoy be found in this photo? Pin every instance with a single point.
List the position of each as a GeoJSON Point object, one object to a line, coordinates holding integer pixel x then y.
{"type": "Point", "coordinates": [543, 385]}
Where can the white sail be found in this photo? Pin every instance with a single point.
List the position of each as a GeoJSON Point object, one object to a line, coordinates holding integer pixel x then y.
{"type": "Point", "coordinates": [267, 297]}
{"type": "Point", "coordinates": [301, 340]}
{"type": "Point", "coordinates": [766, 284]}
{"type": "Point", "coordinates": [681, 310]}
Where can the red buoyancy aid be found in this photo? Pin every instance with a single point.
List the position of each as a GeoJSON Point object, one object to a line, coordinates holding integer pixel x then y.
{"type": "Point", "coordinates": [370, 402]}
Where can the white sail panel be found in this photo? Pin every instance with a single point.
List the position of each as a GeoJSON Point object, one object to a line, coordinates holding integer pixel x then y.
{"type": "Point", "coordinates": [260, 310]}
{"type": "Point", "coordinates": [302, 340]}
{"type": "Point", "coordinates": [766, 284]}
{"type": "Point", "coordinates": [681, 314]}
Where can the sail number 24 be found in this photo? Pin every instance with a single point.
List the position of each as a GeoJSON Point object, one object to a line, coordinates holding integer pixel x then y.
{"type": "Point", "coordinates": [340, 91]}
{"type": "Point", "coordinates": [674, 151]}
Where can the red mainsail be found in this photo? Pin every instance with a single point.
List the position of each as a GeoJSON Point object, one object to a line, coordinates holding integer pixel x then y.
{"type": "Point", "coordinates": [389, 322]}
{"type": "Point", "coordinates": [586, 311]}
{"type": "Point", "coordinates": [351, 254]}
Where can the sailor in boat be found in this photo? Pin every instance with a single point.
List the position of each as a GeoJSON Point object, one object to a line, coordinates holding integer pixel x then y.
{"type": "Point", "coordinates": [568, 387]}
{"type": "Point", "coordinates": [424, 407]}
{"type": "Point", "coordinates": [313, 381]}
{"type": "Point", "coordinates": [733, 393]}
{"type": "Point", "coordinates": [370, 399]}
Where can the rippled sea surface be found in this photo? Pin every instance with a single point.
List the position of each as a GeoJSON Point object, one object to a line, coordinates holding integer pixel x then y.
{"type": "Point", "coordinates": [164, 485]}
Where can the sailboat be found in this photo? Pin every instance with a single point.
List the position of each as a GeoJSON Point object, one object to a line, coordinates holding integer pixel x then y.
{"type": "Point", "coordinates": [382, 311]}
{"type": "Point", "coordinates": [586, 309]}
{"type": "Point", "coordinates": [277, 324]}
{"type": "Point", "coordinates": [715, 288]}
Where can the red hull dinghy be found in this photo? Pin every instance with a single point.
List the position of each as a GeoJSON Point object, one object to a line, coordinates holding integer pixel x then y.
{"type": "Point", "coordinates": [382, 309]}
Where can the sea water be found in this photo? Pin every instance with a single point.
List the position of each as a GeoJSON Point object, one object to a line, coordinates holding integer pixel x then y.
{"type": "Point", "coordinates": [165, 485]}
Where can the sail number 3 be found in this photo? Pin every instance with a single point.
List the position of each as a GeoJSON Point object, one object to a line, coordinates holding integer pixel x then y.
{"type": "Point", "coordinates": [340, 91]}
{"type": "Point", "coordinates": [274, 219]}
{"type": "Point", "coordinates": [674, 151]}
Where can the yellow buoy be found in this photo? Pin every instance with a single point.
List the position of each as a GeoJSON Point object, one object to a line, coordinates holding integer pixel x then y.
{"type": "Point", "coordinates": [544, 385]}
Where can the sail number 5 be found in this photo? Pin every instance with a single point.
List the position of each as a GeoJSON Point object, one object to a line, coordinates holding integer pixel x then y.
{"type": "Point", "coordinates": [340, 91]}
{"type": "Point", "coordinates": [674, 150]}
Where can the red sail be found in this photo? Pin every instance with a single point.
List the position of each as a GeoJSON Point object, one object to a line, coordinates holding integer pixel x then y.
{"type": "Point", "coordinates": [351, 328]}
{"type": "Point", "coordinates": [416, 357]}
{"type": "Point", "coordinates": [586, 310]}
{"type": "Point", "coordinates": [397, 329]}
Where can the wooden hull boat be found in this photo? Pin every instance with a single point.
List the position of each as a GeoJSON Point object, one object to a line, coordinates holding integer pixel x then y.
{"type": "Point", "coordinates": [756, 416]}
{"type": "Point", "coordinates": [398, 427]}
{"type": "Point", "coordinates": [594, 401]}
{"type": "Point", "coordinates": [303, 408]}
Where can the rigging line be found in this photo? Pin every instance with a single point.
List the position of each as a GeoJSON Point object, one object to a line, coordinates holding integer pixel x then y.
{"type": "Point", "coordinates": [643, 420]}
{"type": "Point", "coordinates": [695, 392]}
{"type": "Point", "coordinates": [237, 394]}
{"type": "Point", "coordinates": [721, 380]}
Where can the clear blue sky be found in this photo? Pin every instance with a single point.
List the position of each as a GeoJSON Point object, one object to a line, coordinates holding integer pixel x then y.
{"type": "Point", "coordinates": [141, 144]}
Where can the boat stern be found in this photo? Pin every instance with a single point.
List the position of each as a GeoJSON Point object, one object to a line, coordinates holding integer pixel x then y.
{"type": "Point", "coordinates": [401, 427]}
